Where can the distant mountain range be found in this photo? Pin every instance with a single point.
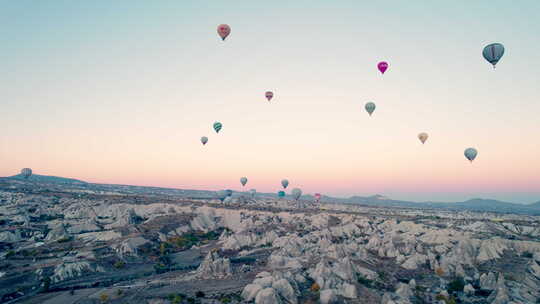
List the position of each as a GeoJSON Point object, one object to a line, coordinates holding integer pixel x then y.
{"type": "Point", "coordinates": [476, 204]}
{"type": "Point", "coordinates": [49, 179]}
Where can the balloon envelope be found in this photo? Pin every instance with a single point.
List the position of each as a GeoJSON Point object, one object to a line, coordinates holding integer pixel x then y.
{"type": "Point", "coordinates": [217, 126]}
{"type": "Point", "coordinates": [221, 194]}
{"type": "Point", "coordinates": [269, 95]}
{"type": "Point", "coordinates": [281, 193]}
{"type": "Point", "coordinates": [284, 183]}
{"type": "Point", "coordinates": [382, 66]}
{"type": "Point", "coordinates": [317, 196]}
{"type": "Point", "coordinates": [493, 53]}
{"type": "Point", "coordinates": [223, 31]}
{"type": "Point", "coordinates": [243, 180]}
{"type": "Point", "coordinates": [370, 107]}
{"type": "Point", "coordinates": [423, 137]}
{"type": "Point", "coordinates": [470, 154]}
{"type": "Point", "coordinates": [296, 193]}
{"type": "Point", "coordinates": [26, 172]}
{"type": "Point", "coordinates": [204, 140]}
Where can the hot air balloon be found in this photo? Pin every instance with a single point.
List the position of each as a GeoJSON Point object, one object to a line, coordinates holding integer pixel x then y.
{"type": "Point", "coordinates": [223, 31]}
{"type": "Point", "coordinates": [269, 95]}
{"type": "Point", "coordinates": [217, 126]}
{"type": "Point", "coordinates": [423, 137]}
{"type": "Point", "coordinates": [318, 196]}
{"type": "Point", "coordinates": [370, 107]}
{"type": "Point", "coordinates": [26, 172]}
{"type": "Point", "coordinates": [221, 195]}
{"type": "Point", "coordinates": [493, 53]}
{"type": "Point", "coordinates": [284, 183]}
{"type": "Point", "coordinates": [281, 194]}
{"type": "Point", "coordinates": [470, 154]}
{"type": "Point", "coordinates": [252, 192]}
{"type": "Point", "coordinates": [382, 66]}
{"type": "Point", "coordinates": [296, 193]}
{"type": "Point", "coordinates": [204, 140]}
{"type": "Point", "coordinates": [243, 181]}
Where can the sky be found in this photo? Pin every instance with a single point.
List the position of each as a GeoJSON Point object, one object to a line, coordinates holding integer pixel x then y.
{"type": "Point", "coordinates": [121, 92]}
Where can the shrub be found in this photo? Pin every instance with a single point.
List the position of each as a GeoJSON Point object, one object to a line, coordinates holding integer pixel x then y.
{"type": "Point", "coordinates": [315, 287]}
{"type": "Point", "coordinates": [199, 294]}
{"type": "Point", "coordinates": [439, 271]}
{"type": "Point", "coordinates": [225, 300]}
{"type": "Point", "coordinates": [456, 285]}
{"type": "Point", "coordinates": [364, 281]}
{"type": "Point", "coordinates": [104, 297]}
{"type": "Point", "coordinates": [64, 239]}
{"type": "Point", "coordinates": [119, 264]}
{"type": "Point", "coordinates": [527, 254]}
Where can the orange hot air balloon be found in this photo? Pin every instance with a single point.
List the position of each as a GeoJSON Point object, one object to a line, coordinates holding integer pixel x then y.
{"type": "Point", "coordinates": [423, 137]}
{"type": "Point", "coordinates": [269, 95]}
{"type": "Point", "coordinates": [223, 31]}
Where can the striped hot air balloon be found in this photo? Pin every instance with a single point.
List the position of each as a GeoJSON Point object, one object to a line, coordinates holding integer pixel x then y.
{"type": "Point", "coordinates": [26, 172]}
{"type": "Point", "coordinates": [217, 126]}
{"type": "Point", "coordinates": [493, 53]}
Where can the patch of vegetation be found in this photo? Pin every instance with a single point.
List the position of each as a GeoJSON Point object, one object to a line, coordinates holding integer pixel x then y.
{"type": "Point", "coordinates": [64, 239]}
{"type": "Point", "coordinates": [160, 268]}
{"type": "Point", "coordinates": [119, 264]}
{"type": "Point", "coordinates": [104, 297]}
{"type": "Point", "coordinates": [200, 294]}
{"type": "Point", "coordinates": [315, 287]}
{"type": "Point", "coordinates": [176, 298]}
{"type": "Point", "coordinates": [46, 283]}
{"type": "Point", "coordinates": [10, 254]}
{"type": "Point", "coordinates": [456, 285]}
{"type": "Point", "coordinates": [366, 282]}
{"type": "Point", "coordinates": [188, 240]}
{"type": "Point", "coordinates": [382, 275]}
{"type": "Point", "coordinates": [447, 300]}
{"type": "Point", "coordinates": [527, 254]}
{"type": "Point", "coordinates": [439, 271]}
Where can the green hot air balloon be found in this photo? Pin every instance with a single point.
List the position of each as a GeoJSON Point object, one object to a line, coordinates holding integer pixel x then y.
{"type": "Point", "coordinates": [281, 194]}
{"type": "Point", "coordinates": [243, 180]}
{"type": "Point", "coordinates": [284, 183]}
{"type": "Point", "coordinates": [217, 126]}
{"type": "Point", "coordinates": [493, 53]}
{"type": "Point", "coordinates": [370, 107]}
{"type": "Point", "coordinates": [470, 154]}
{"type": "Point", "coordinates": [296, 193]}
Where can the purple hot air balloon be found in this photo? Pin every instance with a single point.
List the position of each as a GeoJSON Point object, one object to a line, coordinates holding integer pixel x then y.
{"type": "Point", "coordinates": [382, 66]}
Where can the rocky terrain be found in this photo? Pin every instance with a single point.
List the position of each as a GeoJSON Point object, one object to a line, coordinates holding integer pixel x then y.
{"type": "Point", "coordinates": [75, 244]}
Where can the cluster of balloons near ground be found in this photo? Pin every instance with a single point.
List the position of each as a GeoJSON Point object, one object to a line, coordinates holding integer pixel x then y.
{"type": "Point", "coordinates": [492, 53]}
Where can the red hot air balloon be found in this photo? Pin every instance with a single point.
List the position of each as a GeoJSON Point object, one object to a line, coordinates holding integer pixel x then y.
{"type": "Point", "coordinates": [269, 95]}
{"type": "Point", "coordinates": [318, 196]}
{"type": "Point", "coordinates": [223, 31]}
{"type": "Point", "coordinates": [382, 66]}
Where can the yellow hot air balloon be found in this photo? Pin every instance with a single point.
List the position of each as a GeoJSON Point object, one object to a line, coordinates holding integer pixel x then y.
{"type": "Point", "coordinates": [423, 137]}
